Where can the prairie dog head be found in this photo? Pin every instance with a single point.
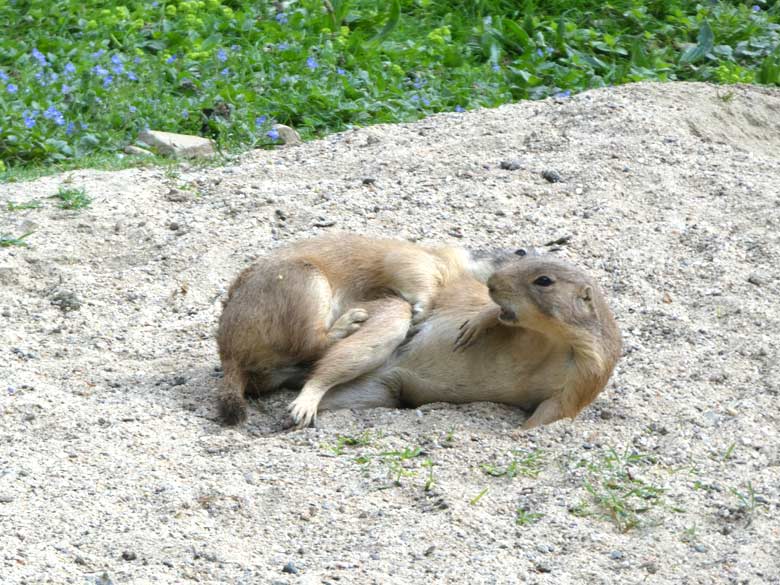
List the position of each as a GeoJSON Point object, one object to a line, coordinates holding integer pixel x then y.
{"type": "Point", "coordinates": [547, 295]}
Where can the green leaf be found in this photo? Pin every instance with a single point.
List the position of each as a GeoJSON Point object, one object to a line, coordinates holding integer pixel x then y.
{"type": "Point", "coordinates": [704, 44]}
{"type": "Point", "coordinates": [392, 22]}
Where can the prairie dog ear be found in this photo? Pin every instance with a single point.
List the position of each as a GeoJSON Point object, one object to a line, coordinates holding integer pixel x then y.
{"type": "Point", "coordinates": [586, 293]}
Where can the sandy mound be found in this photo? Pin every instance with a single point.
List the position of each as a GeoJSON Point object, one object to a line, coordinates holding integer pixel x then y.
{"type": "Point", "coordinates": [112, 466]}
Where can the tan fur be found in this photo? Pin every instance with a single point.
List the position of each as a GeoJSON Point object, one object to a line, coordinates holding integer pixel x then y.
{"type": "Point", "coordinates": [289, 309]}
{"type": "Point", "coordinates": [548, 349]}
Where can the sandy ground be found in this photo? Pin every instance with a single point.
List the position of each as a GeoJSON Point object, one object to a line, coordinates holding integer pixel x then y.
{"type": "Point", "coordinates": [113, 468]}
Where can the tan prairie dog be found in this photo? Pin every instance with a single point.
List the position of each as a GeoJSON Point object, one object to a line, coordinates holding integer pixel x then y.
{"type": "Point", "coordinates": [540, 336]}
{"type": "Point", "coordinates": [292, 307]}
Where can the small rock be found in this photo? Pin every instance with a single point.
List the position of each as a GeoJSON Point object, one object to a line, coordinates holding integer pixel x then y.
{"type": "Point", "coordinates": [180, 145]}
{"type": "Point", "coordinates": [173, 226]}
{"type": "Point", "coordinates": [510, 165]}
{"type": "Point", "coordinates": [552, 176]}
{"type": "Point", "coordinates": [129, 555]}
{"type": "Point", "coordinates": [290, 568]}
{"type": "Point", "coordinates": [429, 551]}
{"type": "Point", "coordinates": [616, 555]}
{"type": "Point", "coordinates": [80, 561]}
{"type": "Point", "coordinates": [6, 499]}
{"type": "Point", "coordinates": [288, 135]}
{"type": "Point", "coordinates": [177, 195]}
{"type": "Point", "coordinates": [324, 222]}
{"type": "Point", "coordinates": [281, 214]}
{"type": "Point", "coordinates": [700, 548]}
{"type": "Point", "coordinates": [66, 301]}
{"type": "Point", "coordinates": [178, 381]}
{"type": "Point", "coordinates": [137, 151]}
{"type": "Point", "coordinates": [650, 567]}
{"type": "Point", "coordinates": [757, 280]}
{"type": "Point", "coordinates": [543, 568]}
{"type": "Point", "coordinates": [368, 181]}
{"type": "Point", "coordinates": [455, 232]}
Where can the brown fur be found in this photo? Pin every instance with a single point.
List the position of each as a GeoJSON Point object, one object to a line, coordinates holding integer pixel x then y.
{"type": "Point", "coordinates": [547, 349]}
{"type": "Point", "coordinates": [290, 308]}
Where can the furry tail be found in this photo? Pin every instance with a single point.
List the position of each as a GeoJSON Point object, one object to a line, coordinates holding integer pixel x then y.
{"type": "Point", "coordinates": [231, 401]}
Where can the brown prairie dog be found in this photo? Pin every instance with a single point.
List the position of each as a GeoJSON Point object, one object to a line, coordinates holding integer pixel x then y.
{"type": "Point", "coordinates": [289, 309]}
{"type": "Point", "coordinates": [540, 336]}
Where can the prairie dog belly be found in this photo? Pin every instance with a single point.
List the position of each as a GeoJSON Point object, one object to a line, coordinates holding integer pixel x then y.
{"type": "Point", "coordinates": [487, 371]}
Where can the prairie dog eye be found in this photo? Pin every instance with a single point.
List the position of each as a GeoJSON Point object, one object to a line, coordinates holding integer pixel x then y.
{"type": "Point", "coordinates": [521, 252]}
{"type": "Point", "coordinates": [543, 281]}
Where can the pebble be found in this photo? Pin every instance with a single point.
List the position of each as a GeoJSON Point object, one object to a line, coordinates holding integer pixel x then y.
{"type": "Point", "coordinates": [173, 226]}
{"type": "Point", "coordinates": [67, 301]}
{"type": "Point", "coordinates": [510, 165]}
{"type": "Point", "coordinates": [616, 555]}
{"type": "Point", "coordinates": [700, 548]}
{"type": "Point", "coordinates": [757, 280]}
{"type": "Point", "coordinates": [543, 568]}
{"type": "Point", "coordinates": [552, 176]}
{"type": "Point", "coordinates": [6, 499]}
{"type": "Point", "coordinates": [129, 555]}
{"type": "Point", "coordinates": [290, 568]}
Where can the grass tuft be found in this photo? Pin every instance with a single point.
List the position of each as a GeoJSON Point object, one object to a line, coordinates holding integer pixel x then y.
{"type": "Point", "coordinates": [73, 199]}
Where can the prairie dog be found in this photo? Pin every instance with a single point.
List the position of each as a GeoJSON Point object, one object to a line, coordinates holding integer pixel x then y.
{"type": "Point", "coordinates": [289, 309]}
{"type": "Point", "coordinates": [539, 336]}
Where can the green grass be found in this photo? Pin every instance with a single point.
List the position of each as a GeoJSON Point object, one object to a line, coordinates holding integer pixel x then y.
{"type": "Point", "coordinates": [616, 492]}
{"type": "Point", "coordinates": [34, 204]}
{"type": "Point", "coordinates": [6, 241]}
{"type": "Point", "coordinates": [524, 463]}
{"type": "Point", "coordinates": [79, 80]}
{"type": "Point", "coordinates": [73, 199]}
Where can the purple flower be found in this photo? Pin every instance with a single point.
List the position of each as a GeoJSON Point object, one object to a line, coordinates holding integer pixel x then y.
{"type": "Point", "coordinates": [3, 76]}
{"type": "Point", "coordinates": [415, 98]}
{"type": "Point", "coordinates": [260, 120]}
{"type": "Point", "coordinates": [311, 63]}
{"type": "Point", "coordinates": [117, 65]}
{"type": "Point", "coordinates": [70, 68]}
{"type": "Point", "coordinates": [426, 101]}
{"type": "Point", "coordinates": [155, 4]}
{"type": "Point", "coordinates": [540, 53]}
{"type": "Point", "coordinates": [561, 95]}
{"type": "Point", "coordinates": [756, 8]}
{"type": "Point", "coordinates": [107, 80]}
{"type": "Point", "coordinates": [225, 72]}
{"type": "Point", "coordinates": [281, 18]}
{"type": "Point", "coordinates": [496, 67]}
{"type": "Point", "coordinates": [170, 59]}
{"type": "Point", "coordinates": [54, 115]}
{"type": "Point", "coordinates": [234, 47]}
{"type": "Point", "coordinates": [29, 118]}
{"type": "Point", "coordinates": [137, 60]}
{"type": "Point", "coordinates": [132, 109]}
{"type": "Point", "coordinates": [11, 88]}
{"type": "Point", "coordinates": [340, 71]}
{"type": "Point", "coordinates": [83, 125]}
{"type": "Point", "coordinates": [40, 77]}
{"type": "Point", "coordinates": [70, 129]}
{"type": "Point", "coordinates": [98, 54]}
{"type": "Point", "coordinates": [272, 134]}
{"type": "Point", "coordinates": [460, 109]}
{"type": "Point", "coordinates": [40, 57]}
{"type": "Point", "coordinates": [418, 83]}
{"type": "Point", "coordinates": [65, 88]}
{"type": "Point", "coordinates": [283, 46]}
{"type": "Point", "coordinates": [98, 70]}
{"type": "Point", "coordinates": [185, 113]}
{"type": "Point", "coordinates": [222, 55]}
{"type": "Point", "coordinates": [131, 76]}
